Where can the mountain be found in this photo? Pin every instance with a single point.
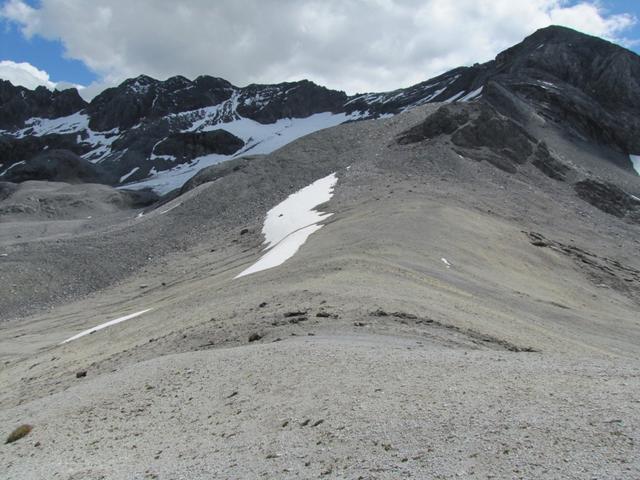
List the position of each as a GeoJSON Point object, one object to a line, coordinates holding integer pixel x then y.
{"type": "Point", "coordinates": [436, 282]}
{"type": "Point", "coordinates": [19, 104]}
{"type": "Point", "coordinates": [586, 84]}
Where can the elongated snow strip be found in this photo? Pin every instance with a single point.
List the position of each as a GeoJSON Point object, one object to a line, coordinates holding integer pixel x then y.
{"type": "Point", "coordinates": [107, 324]}
{"type": "Point", "coordinates": [472, 95]}
{"type": "Point", "coordinates": [454, 98]}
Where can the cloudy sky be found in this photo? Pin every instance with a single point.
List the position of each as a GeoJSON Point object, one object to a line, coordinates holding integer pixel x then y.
{"type": "Point", "coordinates": [351, 45]}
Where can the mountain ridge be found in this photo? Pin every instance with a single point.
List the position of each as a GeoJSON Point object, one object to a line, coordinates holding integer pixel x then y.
{"type": "Point", "coordinates": [585, 84]}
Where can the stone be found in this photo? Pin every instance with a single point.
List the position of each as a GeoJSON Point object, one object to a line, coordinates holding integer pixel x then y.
{"type": "Point", "coordinates": [254, 337]}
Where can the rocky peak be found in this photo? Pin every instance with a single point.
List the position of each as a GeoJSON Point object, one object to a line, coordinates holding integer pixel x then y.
{"type": "Point", "coordinates": [18, 104]}
{"type": "Point", "coordinates": [269, 103]}
{"type": "Point", "coordinates": [207, 82]}
{"type": "Point", "coordinates": [586, 85]}
{"type": "Point", "coordinates": [605, 71]}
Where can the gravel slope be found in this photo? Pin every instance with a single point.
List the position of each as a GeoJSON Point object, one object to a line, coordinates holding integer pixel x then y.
{"type": "Point", "coordinates": [520, 360]}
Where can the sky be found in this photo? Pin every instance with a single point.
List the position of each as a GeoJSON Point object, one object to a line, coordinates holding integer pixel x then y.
{"type": "Point", "coordinates": [351, 45]}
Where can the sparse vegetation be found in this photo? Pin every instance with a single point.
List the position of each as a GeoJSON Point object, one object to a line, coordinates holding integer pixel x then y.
{"type": "Point", "coordinates": [18, 433]}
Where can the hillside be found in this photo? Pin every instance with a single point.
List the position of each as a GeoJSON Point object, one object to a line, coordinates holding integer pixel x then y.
{"type": "Point", "coordinates": [437, 290]}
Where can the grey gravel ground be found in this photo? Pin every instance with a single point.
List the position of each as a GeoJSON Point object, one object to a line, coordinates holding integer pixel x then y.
{"type": "Point", "coordinates": [518, 361]}
{"type": "Point", "coordinates": [346, 406]}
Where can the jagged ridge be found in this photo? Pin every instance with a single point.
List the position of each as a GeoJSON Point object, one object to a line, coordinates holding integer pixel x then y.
{"type": "Point", "coordinates": [584, 85]}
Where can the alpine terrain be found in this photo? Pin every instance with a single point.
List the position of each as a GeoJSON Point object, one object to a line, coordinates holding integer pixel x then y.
{"type": "Point", "coordinates": [201, 280]}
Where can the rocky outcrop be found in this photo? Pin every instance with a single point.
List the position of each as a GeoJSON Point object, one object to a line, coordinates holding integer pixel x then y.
{"type": "Point", "coordinates": [609, 198]}
{"type": "Point", "coordinates": [548, 164]}
{"type": "Point", "coordinates": [444, 121]}
{"type": "Point", "coordinates": [478, 132]}
{"type": "Point", "coordinates": [498, 135]}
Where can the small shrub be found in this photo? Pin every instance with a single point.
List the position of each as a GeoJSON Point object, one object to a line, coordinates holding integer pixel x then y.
{"type": "Point", "coordinates": [18, 433]}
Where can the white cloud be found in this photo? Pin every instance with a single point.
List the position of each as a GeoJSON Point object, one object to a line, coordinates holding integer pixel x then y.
{"type": "Point", "coordinates": [28, 76]}
{"type": "Point", "coordinates": [354, 45]}
{"type": "Point", "coordinates": [589, 18]}
{"type": "Point", "coordinates": [24, 74]}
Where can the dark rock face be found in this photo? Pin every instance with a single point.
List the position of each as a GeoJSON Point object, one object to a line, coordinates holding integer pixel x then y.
{"type": "Point", "coordinates": [605, 71]}
{"type": "Point", "coordinates": [288, 100]}
{"type": "Point", "coordinates": [18, 104]}
{"type": "Point", "coordinates": [601, 270]}
{"type": "Point", "coordinates": [609, 198]}
{"type": "Point", "coordinates": [15, 150]}
{"type": "Point", "coordinates": [478, 132]}
{"type": "Point", "coordinates": [444, 121]}
{"type": "Point", "coordinates": [499, 134]}
{"type": "Point", "coordinates": [548, 164]}
{"type": "Point", "coordinates": [57, 166]}
{"type": "Point", "coordinates": [482, 133]}
{"type": "Point", "coordinates": [187, 146]}
{"type": "Point", "coordinates": [145, 97]}
{"type": "Point", "coordinates": [586, 83]}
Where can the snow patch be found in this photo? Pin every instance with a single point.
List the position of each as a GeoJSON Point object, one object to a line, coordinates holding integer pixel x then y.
{"type": "Point", "coordinates": [259, 139]}
{"type": "Point", "coordinates": [105, 325]}
{"type": "Point", "coordinates": [22, 162]}
{"type": "Point", "coordinates": [547, 85]}
{"type": "Point", "coordinates": [454, 98]}
{"type": "Point", "coordinates": [101, 142]}
{"type": "Point", "coordinates": [433, 95]}
{"type": "Point", "coordinates": [170, 208]}
{"type": "Point", "coordinates": [45, 126]}
{"type": "Point", "coordinates": [76, 123]}
{"type": "Point", "coordinates": [283, 251]}
{"type": "Point", "coordinates": [167, 180]}
{"type": "Point", "coordinates": [472, 95]}
{"type": "Point", "coordinates": [635, 160]}
{"type": "Point", "coordinates": [265, 138]}
{"type": "Point", "coordinates": [124, 177]}
{"type": "Point", "coordinates": [289, 224]}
